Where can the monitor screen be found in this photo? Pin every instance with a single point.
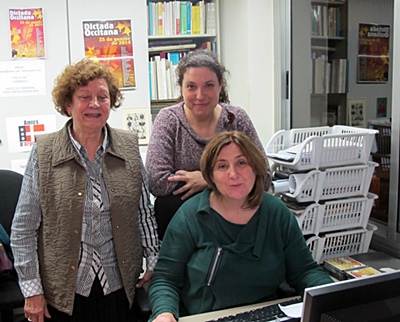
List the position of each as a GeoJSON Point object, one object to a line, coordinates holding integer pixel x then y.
{"type": "Point", "coordinates": [373, 298]}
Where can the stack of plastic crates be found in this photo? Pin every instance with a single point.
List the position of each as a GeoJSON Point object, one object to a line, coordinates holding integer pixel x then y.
{"type": "Point", "coordinates": [328, 178]}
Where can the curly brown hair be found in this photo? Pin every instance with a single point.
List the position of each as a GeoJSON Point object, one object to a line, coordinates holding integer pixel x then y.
{"type": "Point", "coordinates": [250, 150]}
{"type": "Point", "coordinates": [80, 74]}
{"type": "Point", "coordinates": [201, 58]}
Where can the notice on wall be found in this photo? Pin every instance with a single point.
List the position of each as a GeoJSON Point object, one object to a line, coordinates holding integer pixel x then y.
{"type": "Point", "coordinates": [22, 78]}
{"type": "Point", "coordinates": [27, 34]}
{"type": "Point", "coordinates": [22, 131]}
{"type": "Point", "coordinates": [19, 165]}
{"type": "Point", "coordinates": [373, 53]}
{"type": "Point", "coordinates": [110, 43]}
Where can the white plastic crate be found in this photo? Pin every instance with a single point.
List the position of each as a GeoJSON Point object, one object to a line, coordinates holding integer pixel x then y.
{"type": "Point", "coordinates": [321, 147]}
{"type": "Point", "coordinates": [332, 183]}
{"type": "Point", "coordinates": [336, 215]}
{"type": "Point", "coordinates": [342, 243]}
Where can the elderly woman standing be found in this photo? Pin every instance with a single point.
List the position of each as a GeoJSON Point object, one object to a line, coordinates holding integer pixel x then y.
{"type": "Point", "coordinates": [84, 217]}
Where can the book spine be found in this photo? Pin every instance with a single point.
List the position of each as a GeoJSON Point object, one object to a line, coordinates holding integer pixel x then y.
{"type": "Point", "coordinates": [189, 18]}
{"type": "Point", "coordinates": [196, 20]}
{"type": "Point", "coordinates": [202, 17]}
{"type": "Point", "coordinates": [177, 7]}
{"type": "Point", "coordinates": [160, 18]}
{"type": "Point", "coordinates": [150, 19]}
{"type": "Point", "coordinates": [183, 9]}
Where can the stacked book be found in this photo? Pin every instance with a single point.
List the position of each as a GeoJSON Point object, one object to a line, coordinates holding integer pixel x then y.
{"type": "Point", "coordinates": [347, 267]}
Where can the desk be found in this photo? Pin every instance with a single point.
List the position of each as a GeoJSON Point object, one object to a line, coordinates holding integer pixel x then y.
{"type": "Point", "coordinates": [378, 260]}
{"type": "Point", "coordinates": [232, 311]}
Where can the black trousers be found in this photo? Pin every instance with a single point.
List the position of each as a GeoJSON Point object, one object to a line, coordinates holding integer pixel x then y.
{"type": "Point", "coordinates": [164, 209]}
{"type": "Point", "coordinates": [97, 307]}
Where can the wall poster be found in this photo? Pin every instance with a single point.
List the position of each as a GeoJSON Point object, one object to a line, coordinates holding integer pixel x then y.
{"type": "Point", "coordinates": [357, 108]}
{"type": "Point", "coordinates": [137, 120]}
{"type": "Point", "coordinates": [22, 131]}
{"type": "Point", "coordinates": [381, 107]}
{"type": "Point", "coordinates": [27, 35]}
{"type": "Point", "coordinates": [110, 42]}
{"type": "Point", "coordinates": [373, 53]}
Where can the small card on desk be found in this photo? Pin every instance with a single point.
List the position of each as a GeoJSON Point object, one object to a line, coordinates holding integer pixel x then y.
{"type": "Point", "coordinates": [362, 272]}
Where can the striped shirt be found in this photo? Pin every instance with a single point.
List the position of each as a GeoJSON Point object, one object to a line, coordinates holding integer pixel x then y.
{"type": "Point", "coordinates": [27, 220]}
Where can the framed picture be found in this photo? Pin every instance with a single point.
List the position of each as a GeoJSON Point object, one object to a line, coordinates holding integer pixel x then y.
{"type": "Point", "coordinates": [373, 53]}
{"type": "Point", "coordinates": [381, 107]}
{"type": "Point", "coordinates": [356, 114]}
{"type": "Point", "coordinates": [137, 119]}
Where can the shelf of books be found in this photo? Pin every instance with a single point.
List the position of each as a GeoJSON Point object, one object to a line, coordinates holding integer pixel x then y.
{"type": "Point", "coordinates": [329, 62]}
{"type": "Point", "coordinates": [174, 29]}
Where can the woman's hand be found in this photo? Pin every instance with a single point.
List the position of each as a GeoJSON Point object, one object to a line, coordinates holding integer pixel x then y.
{"type": "Point", "coordinates": [165, 317]}
{"type": "Point", "coordinates": [36, 308]}
{"type": "Point", "coordinates": [146, 277]}
{"type": "Point", "coordinates": [194, 182]}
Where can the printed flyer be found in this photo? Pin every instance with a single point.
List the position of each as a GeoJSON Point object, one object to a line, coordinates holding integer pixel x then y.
{"type": "Point", "coordinates": [27, 36]}
{"type": "Point", "coordinates": [373, 53]}
{"type": "Point", "coordinates": [22, 131]}
{"type": "Point", "coordinates": [110, 43]}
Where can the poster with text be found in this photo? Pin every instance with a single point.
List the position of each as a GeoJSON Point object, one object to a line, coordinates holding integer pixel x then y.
{"type": "Point", "coordinates": [23, 130]}
{"type": "Point", "coordinates": [110, 43]}
{"type": "Point", "coordinates": [27, 34]}
{"type": "Point", "coordinates": [373, 53]}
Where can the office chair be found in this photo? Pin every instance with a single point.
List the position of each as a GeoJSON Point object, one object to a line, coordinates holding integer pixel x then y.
{"type": "Point", "coordinates": [10, 293]}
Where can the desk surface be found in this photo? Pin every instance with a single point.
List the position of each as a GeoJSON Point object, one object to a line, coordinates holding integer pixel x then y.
{"type": "Point", "coordinates": [378, 260]}
{"type": "Point", "coordinates": [219, 314]}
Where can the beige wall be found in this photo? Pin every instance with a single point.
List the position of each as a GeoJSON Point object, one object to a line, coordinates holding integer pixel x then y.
{"type": "Point", "coordinates": [247, 51]}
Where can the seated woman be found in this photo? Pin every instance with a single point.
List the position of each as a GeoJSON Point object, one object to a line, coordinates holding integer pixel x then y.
{"type": "Point", "coordinates": [232, 244]}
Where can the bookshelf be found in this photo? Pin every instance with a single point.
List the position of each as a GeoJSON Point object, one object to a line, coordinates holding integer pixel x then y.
{"type": "Point", "coordinates": [174, 29]}
{"type": "Point", "coordinates": [323, 62]}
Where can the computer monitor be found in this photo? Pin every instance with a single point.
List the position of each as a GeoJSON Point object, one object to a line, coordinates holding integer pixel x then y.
{"type": "Point", "coordinates": [373, 298]}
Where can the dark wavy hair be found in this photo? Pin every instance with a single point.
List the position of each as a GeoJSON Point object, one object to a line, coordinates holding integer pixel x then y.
{"type": "Point", "coordinates": [80, 74]}
{"type": "Point", "coordinates": [250, 150]}
{"type": "Point", "coordinates": [201, 58]}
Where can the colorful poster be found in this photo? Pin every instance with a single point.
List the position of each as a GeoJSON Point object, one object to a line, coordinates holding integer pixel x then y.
{"type": "Point", "coordinates": [373, 53]}
{"type": "Point", "coordinates": [27, 35]}
{"type": "Point", "coordinates": [22, 131]}
{"type": "Point", "coordinates": [110, 43]}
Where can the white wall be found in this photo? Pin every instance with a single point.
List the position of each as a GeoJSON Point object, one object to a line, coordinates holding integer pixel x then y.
{"type": "Point", "coordinates": [247, 51]}
{"type": "Point", "coordinates": [64, 43]}
{"type": "Point", "coordinates": [56, 42]}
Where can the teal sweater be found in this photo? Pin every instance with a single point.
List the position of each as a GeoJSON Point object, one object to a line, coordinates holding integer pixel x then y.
{"type": "Point", "coordinates": [208, 263]}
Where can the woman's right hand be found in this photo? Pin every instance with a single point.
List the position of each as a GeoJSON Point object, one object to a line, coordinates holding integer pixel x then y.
{"type": "Point", "coordinates": [36, 308]}
{"type": "Point", "coordinates": [194, 182]}
{"type": "Point", "coordinates": [165, 317]}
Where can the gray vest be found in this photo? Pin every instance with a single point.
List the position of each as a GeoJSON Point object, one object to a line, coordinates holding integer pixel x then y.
{"type": "Point", "coordinates": [62, 186]}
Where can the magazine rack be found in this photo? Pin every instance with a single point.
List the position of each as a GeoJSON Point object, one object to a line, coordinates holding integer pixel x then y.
{"type": "Point", "coordinates": [321, 147]}
{"type": "Point", "coordinates": [332, 183]}
{"type": "Point", "coordinates": [342, 243]}
{"type": "Point", "coordinates": [335, 215]}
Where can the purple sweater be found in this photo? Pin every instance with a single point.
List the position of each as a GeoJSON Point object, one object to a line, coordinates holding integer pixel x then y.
{"type": "Point", "coordinates": [174, 145]}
